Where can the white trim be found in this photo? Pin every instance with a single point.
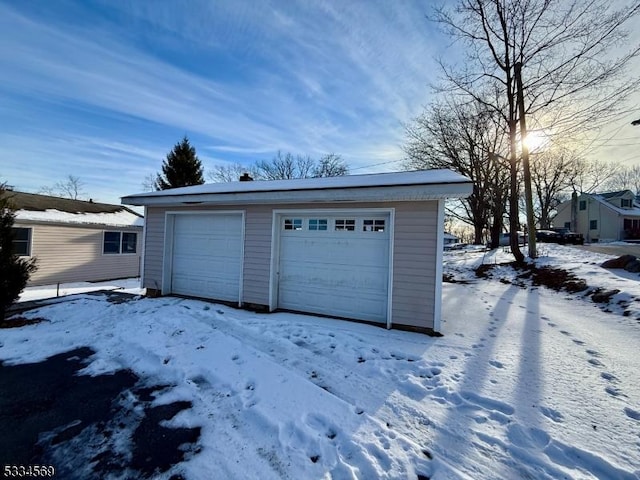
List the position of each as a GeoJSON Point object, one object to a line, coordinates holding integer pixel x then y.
{"type": "Point", "coordinates": [437, 301]}
{"type": "Point", "coordinates": [143, 257]}
{"type": "Point", "coordinates": [392, 226]}
{"type": "Point", "coordinates": [242, 240]}
{"type": "Point", "coordinates": [276, 218]}
{"type": "Point", "coordinates": [367, 194]}
{"type": "Point", "coordinates": [274, 266]}
{"type": "Point", "coordinates": [438, 182]}
{"type": "Point", "coordinates": [167, 260]}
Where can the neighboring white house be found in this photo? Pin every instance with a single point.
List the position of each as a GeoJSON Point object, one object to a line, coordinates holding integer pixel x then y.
{"type": "Point", "coordinates": [76, 241]}
{"type": "Point", "coordinates": [362, 247]}
{"type": "Point", "coordinates": [602, 217]}
{"type": "Point", "coordinates": [449, 239]}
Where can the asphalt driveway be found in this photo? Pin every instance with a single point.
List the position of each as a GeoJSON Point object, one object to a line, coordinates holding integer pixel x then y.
{"type": "Point", "coordinates": [87, 427]}
{"type": "Point", "coordinates": [617, 249]}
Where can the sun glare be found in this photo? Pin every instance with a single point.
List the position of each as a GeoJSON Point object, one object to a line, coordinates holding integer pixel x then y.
{"type": "Point", "coordinates": [536, 140]}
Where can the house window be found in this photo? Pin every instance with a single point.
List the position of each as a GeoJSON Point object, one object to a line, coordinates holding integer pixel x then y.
{"type": "Point", "coordinates": [21, 241]}
{"type": "Point", "coordinates": [593, 225]}
{"type": "Point", "coordinates": [626, 203]}
{"type": "Point", "coordinates": [628, 224]}
{"type": "Point", "coordinates": [567, 225]}
{"type": "Point", "coordinates": [583, 204]}
{"type": "Point", "coordinates": [119, 243]}
{"type": "Point", "coordinates": [293, 224]}
{"type": "Point", "coordinates": [373, 226]}
{"type": "Point", "coordinates": [346, 224]}
{"type": "Point", "coordinates": [317, 224]}
{"type": "Point", "coordinates": [129, 242]}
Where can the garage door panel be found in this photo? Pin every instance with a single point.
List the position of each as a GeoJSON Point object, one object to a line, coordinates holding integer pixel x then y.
{"type": "Point", "coordinates": [207, 256]}
{"type": "Point", "coordinates": [340, 273]}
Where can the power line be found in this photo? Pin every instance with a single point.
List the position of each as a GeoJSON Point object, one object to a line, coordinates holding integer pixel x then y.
{"type": "Point", "coordinates": [376, 164]}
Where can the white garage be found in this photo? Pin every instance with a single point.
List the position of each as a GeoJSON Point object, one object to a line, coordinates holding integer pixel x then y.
{"type": "Point", "coordinates": [362, 247]}
{"type": "Point", "coordinates": [334, 263]}
{"type": "Point", "coordinates": [205, 252]}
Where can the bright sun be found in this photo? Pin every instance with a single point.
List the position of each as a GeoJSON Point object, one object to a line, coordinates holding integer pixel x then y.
{"type": "Point", "coordinates": [536, 140]}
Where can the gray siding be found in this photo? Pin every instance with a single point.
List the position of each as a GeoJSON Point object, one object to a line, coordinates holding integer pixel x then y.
{"type": "Point", "coordinates": [414, 256]}
{"type": "Point", "coordinates": [257, 254]}
{"type": "Point", "coordinates": [414, 263]}
{"type": "Point", "coordinates": [154, 248]}
{"type": "Point", "coordinates": [68, 254]}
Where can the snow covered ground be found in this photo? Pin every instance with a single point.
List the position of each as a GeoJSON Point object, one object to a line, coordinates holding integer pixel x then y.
{"type": "Point", "coordinates": [526, 382]}
{"type": "Point", "coordinates": [42, 292]}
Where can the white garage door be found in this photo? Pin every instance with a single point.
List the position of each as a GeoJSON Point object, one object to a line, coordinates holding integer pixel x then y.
{"type": "Point", "coordinates": [335, 265]}
{"type": "Point", "coordinates": [207, 256]}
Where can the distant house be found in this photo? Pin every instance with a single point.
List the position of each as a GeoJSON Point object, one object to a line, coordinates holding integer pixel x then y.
{"type": "Point", "coordinates": [449, 239]}
{"type": "Point", "coordinates": [76, 241]}
{"type": "Point", "coordinates": [363, 247]}
{"type": "Point", "coordinates": [604, 217]}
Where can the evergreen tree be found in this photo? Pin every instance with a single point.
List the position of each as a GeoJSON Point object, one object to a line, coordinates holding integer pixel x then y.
{"type": "Point", "coordinates": [14, 271]}
{"type": "Point", "coordinates": [181, 168]}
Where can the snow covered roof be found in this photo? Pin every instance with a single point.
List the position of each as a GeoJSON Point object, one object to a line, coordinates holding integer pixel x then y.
{"type": "Point", "coordinates": [428, 183]}
{"type": "Point", "coordinates": [628, 212]}
{"type": "Point", "coordinates": [619, 193]}
{"type": "Point", "coordinates": [44, 208]}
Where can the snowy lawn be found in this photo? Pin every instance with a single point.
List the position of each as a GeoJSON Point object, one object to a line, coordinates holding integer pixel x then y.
{"type": "Point", "coordinates": [527, 382]}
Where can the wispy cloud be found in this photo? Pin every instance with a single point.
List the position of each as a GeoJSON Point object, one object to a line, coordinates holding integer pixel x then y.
{"type": "Point", "coordinates": [104, 90]}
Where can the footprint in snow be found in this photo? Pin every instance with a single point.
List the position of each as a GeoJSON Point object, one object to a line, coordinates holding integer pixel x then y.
{"type": "Point", "coordinates": [633, 414]}
{"type": "Point", "coordinates": [610, 377]}
{"type": "Point", "coordinates": [564, 332]}
{"type": "Point", "coordinates": [552, 414]}
{"type": "Point", "coordinates": [614, 391]}
{"type": "Point", "coordinates": [593, 353]}
{"type": "Point", "coordinates": [495, 363]}
{"type": "Point", "coordinates": [578, 342]}
{"type": "Point", "coordinates": [487, 403]}
{"type": "Point", "coordinates": [595, 362]}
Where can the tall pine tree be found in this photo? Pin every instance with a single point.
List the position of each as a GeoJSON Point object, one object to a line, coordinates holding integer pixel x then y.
{"type": "Point", "coordinates": [181, 168]}
{"type": "Point", "coordinates": [14, 271]}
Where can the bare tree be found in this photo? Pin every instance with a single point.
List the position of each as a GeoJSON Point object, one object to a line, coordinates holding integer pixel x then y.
{"type": "Point", "coordinates": [283, 166]}
{"type": "Point", "coordinates": [626, 178]}
{"type": "Point", "coordinates": [551, 174]}
{"type": "Point", "coordinates": [232, 172]}
{"type": "Point", "coordinates": [149, 183]}
{"type": "Point", "coordinates": [569, 55]}
{"type": "Point", "coordinates": [330, 165]}
{"type": "Point", "coordinates": [71, 187]}
{"type": "Point", "coordinates": [464, 137]}
{"type": "Point", "coordinates": [589, 176]}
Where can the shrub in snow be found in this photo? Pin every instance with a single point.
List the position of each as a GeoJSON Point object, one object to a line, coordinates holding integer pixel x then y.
{"type": "Point", "coordinates": [14, 271]}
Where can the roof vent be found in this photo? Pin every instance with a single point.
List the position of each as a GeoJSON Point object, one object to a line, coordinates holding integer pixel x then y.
{"type": "Point", "coordinates": [245, 177]}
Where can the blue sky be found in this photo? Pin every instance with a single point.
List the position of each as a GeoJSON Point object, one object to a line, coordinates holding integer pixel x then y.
{"type": "Point", "coordinates": [102, 90]}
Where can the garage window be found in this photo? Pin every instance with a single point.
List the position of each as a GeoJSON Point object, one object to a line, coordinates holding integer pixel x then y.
{"type": "Point", "coordinates": [346, 224]}
{"type": "Point", "coordinates": [293, 224]}
{"type": "Point", "coordinates": [115, 243]}
{"type": "Point", "coordinates": [317, 224]}
{"type": "Point", "coordinates": [373, 226]}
